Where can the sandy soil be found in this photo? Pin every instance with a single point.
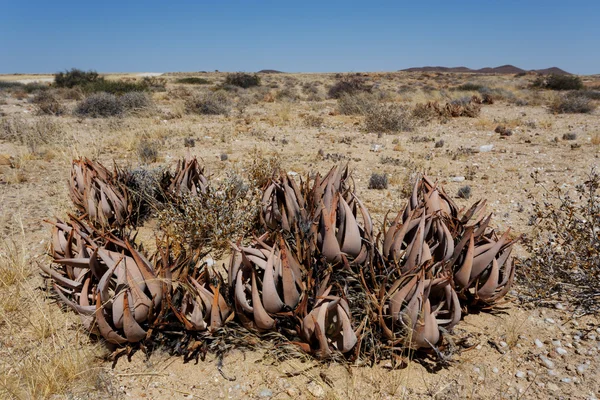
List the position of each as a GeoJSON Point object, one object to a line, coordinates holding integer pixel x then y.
{"type": "Point", "coordinates": [519, 351]}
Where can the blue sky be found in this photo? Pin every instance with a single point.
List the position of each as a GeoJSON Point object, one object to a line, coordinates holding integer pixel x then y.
{"type": "Point", "coordinates": [303, 36]}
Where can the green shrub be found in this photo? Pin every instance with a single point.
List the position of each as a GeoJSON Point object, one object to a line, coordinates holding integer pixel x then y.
{"type": "Point", "coordinates": [76, 77]}
{"type": "Point", "coordinates": [98, 105]}
{"type": "Point", "coordinates": [242, 80]}
{"type": "Point", "coordinates": [114, 87]}
{"type": "Point", "coordinates": [349, 85]}
{"type": "Point", "coordinates": [558, 82]}
{"type": "Point", "coordinates": [470, 87]}
{"type": "Point", "coordinates": [193, 81]}
{"type": "Point", "coordinates": [211, 103]}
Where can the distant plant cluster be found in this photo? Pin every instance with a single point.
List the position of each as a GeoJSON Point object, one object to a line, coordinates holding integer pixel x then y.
{"type": "Point", "coordinates": [558, 82]}
{"type": "Point", "coordinates": [243, 80]}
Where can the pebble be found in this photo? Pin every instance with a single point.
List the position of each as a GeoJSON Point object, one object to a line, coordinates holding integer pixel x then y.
{"type": "Point", "coordinates": [561, 351]}
{"type": "Point", "coordinates": [559, 306]}
{"type": "Point", "coordinates": [457, 179]}
{"type": "Point", "coordinates": [547, 362]}
{"type": "Point", "coordinates": [591, 336]}
{"type": "Point", "coordinates": [315, 389]}
{"type": "Point", "coordinates": [503, 344]}
{"type": "Point", "coordinates": [581, 368]}
{"type": "Point", "coordinates": [520, 374]}
{"type": "Point", "coordinates": [265, 393]}
{"type": "Point", "coordinates": [292, 173]}
{"type": "Point", "coordinates": [552, 387]}
{"type": "Point", "coordinates": [538, 343]}
{"type": "Point", "coordinates": [550, 320]}
{"type": "Point", "coordinates": [376, 147]}
{"type": "Point", "coordinates": [495, 370]}
{"type": "Point", "coordinates": [566, 380]}
{"type": "Point", "coordinates": [486, 148]}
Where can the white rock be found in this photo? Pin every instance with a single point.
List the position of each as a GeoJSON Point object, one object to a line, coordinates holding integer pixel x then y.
{"type": "Point", "coordinates": [566, 380]}
{"type": "Point", "coordinates": [520, 374]}
{"type": "Point", "coordinates": [315, 389]}
{"type": "Point", "coordinates": [486, 148]}
{"type": "Point", "coordinates": [552, 387]}
{"type": "Point", "coordinates": [561, 351]}
{"type": "Point", "coordinates": [550, 321]}
{"type": "Point", "coordinates": [292, 173]}
{"type": "Point", "coordinates": [581, 368]}
{"type": "Point", "coordinates": [559, 306]}
{"type": "Point", "coordinates": [495, 370]}
{"type": "Point", "coordinates": [376, 147]}
{"type": "Point", "coordinates": [556, 343]}
{"type": "Point", "coordinates": [503, 344]}
{"type": "Point", "coordinates": [538, 343]}
{"type": "Point", "coordinates": [547, 362]}
{"type": "Point", "coordinates": [457, 179]}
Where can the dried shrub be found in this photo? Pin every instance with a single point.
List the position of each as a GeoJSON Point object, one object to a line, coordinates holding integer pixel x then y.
{"type": "Point", "coordinates": [464, 192]}
{"type": "Point", "coordinates": [242, 80]}
{"type": "Point", "coordinates": [213, 219]}
{"type": "Point", "coordinates": [390, 118]}
{"type": "Point", "coordinates": [360, 103]}
{"type": "Point", "coordinates": [117, 87]}
{"type": "Point", "coordinates": [211, 103]}
{"type": "Point", "coordinates": [313, 121]}
{"type": "Point", "coordinates": [287, 94]}
{"type": "Point", "coordinates": [47, 103]}
{"type": "Point", "coordinates": [424, 114]}
{"type": "Point", "coordinates": [564, 247]}
{"type": "Point", "coordinates": [378, 181]}
{"type": "Point", "coordinates": [99, 105]}
{"type": "Point", "coordinates": [136, 101]}
{"type": "Point", "coordinates": [470, 87]}
{"type": "Point", "coordinates": [262, 168]}
{"type": "Point", "coordinates": [147, 151]}
{"type": "Point", "coordinates": [349, 85]}
{"type": "Point", "coordinates": [572, 103]}
{"type": "Point", "coordinates": [32, 133]}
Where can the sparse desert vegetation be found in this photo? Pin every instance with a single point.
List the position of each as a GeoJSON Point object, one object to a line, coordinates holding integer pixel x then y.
{"type": "Point", "coordinates": [389, 128]}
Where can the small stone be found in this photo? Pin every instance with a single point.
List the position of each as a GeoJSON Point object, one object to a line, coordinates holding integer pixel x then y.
{"type": "Point", "coordinates": [556, 343]}
{"type": "Point", "coordinates": [581, 369]}
{"type": "Point", "coordinates": [503, 344]}
{"type": "Point", "coordinates": [559, 306]}
{"type": "Point", "coordinates": [315, 389]}
{"type": "Point", "coordinates": [552, 387]}
{"type": "Point", "coordinates": [520, 374]}
{"type": "Point", "coordinates": [566, 380]}
{"type": "Point", "coordinates": [547, 362]}
{"type": "Point", "coordinates": [292, 173]}
{"type": "Point", "coordinates": [477, 370]}
{"type": "Point", "coordinates": [376, 147]}
{"type": "Point", "coordinates": [495, 370]}
{"type": "Point", "coordinates": [591, 336]}
{"type": "Point", "coordinates": [292, 392]}
{"type": "Point", "coordinates": [538, 343]}
{"type": "Point", "coordinates": [457, 179]}
{"type": "Point", "coordinates": [561, 351]}
{"type": "Point", "coordinates": [265, 393]}
{"type": "Point", "coordinates": [552, 372]}
{"type": "Point", "coordinates": [550, 320]}
{"type": "Point", "coordinates": [486, 148]}
{"type": "Point", "coordinates": [224, 157]}
{"type": "Point", "coordinates": [439, 143]}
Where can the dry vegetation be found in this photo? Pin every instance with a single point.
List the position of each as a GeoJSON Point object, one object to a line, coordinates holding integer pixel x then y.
{"type": "Point", "coordinates": [388, 126]}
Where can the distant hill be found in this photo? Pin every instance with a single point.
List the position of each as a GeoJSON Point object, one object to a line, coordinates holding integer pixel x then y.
{"type": "Point", "coordinates": [269, 71]}
{"type": "Point", "coordinates": [503, 69]}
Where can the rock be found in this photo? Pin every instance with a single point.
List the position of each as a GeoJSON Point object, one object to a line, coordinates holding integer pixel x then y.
{"type": "Point", "coordinates": [265, 393]}
{"type": "Point", "coordinates": [547, 362]}
{"type": "Point", "coordinates": [561, 351]}
{"type": "Point", "coordinates": [439, 143]}
{"type": "Point", "coordinates": [486, 148]}
{"type": "Point", "coordinates": [520, 374]}
{"type": "Point", "coordinates": [552, 387]}
{"type": "Point", "coordinates": [538, 343]}
{"type": "Point", "coordinates": [559, 306]}
{"type": "Point", "coordinates": [566, 380]}
{"type": "Point", "coordinates": [376, 147]}
{"type": "Point", "coordinates": [5, 159]}
{"type": "Point", "coordinates": [550, 320]}
{"type": "Point", "coordinates": [315, 389]}
{"type": "Point", "coordinates": [503, 344]}
{"type": "Point", "coordinates": [581, 369]}
{"type": "Point", "coordinates": [495, 370]}
{"type": "Point", "coordinates": [292, 173]}
{"type": "Point", "coordinates": [457, 179]}
{"type": "Point", "coordinates": [556, 343]}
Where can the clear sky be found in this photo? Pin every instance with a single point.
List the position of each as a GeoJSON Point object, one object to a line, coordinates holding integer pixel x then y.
{"type": "Point", "coordinates": [299, 36]}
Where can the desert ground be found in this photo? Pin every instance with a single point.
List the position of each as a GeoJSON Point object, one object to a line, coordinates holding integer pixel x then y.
{"type": "Point", "coordinates": [524, 348]}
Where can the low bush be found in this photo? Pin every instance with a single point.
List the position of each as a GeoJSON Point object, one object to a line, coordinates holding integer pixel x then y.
{"type": "Point", "coordinates": [98, 105]}
{"type": "Point", "coordinates": [76, 77]}
{"type": "Point", "coordinates": [136, 101]}
{"type": "Point", "coordinates": [242, 80]}
{"type": "Point", "coordinates": [558, 82]}
{"type": "Point", "coordinates": [114, 87]}
{"type": "Point", "coordinates": [349, 85]}
{"type": "Point", "coordinates": [572, 103]}
{"type": "Point", "coordinates": [360, 103]}
{"type": "Point", "coordinates": [192, 80]}
{"type": "Point", "coordinates": [564, 247]}
{"type": "Point", "coordinates": [390, 118]}
{"type": "Point", "coordinates": [470, 87]}
{"type": "Point", "coordinates": [378, 181]}
{"type": "Point", "coordinates": [47, 103]}
{"type": "Point", "coordinates": [211, 103]}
